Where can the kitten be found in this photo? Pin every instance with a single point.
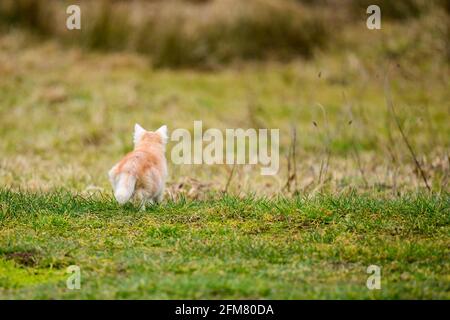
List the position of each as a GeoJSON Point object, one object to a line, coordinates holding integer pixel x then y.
{"type": "Point", "coordinates": [142, 173]}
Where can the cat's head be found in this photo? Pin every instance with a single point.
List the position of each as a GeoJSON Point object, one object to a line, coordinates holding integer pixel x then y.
{"type": "Point", "coordinates": [158, 136]}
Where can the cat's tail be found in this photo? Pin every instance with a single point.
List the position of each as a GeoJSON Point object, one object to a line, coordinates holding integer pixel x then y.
{"type": "Point", "coordinates": [124, 187]}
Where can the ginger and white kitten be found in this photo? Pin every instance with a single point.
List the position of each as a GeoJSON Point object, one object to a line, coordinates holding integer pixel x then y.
{"type": "Point", "coordinates": [142, 173]}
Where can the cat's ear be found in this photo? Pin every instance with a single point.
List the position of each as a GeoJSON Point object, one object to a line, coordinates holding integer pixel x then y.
{"type": "Point", "coordinates": [163, 133]}
{"type": "Point", "coordinates": [138, 133]}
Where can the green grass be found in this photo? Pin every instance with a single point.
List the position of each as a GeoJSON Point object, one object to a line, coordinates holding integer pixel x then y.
{"type": "Point", "coordinates": [224, 247]}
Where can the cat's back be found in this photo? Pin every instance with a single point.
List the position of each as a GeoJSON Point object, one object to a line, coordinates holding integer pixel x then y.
{"type": "Point", "coordinates": [137, 162]}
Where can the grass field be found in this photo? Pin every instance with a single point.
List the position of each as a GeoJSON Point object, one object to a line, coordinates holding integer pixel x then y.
{"type": "Point", "coordinates": [228, 247]}
{"type": "Point", "coordinates": [370, 111]}
{"type": "Point", "coordinates": [67, 116]}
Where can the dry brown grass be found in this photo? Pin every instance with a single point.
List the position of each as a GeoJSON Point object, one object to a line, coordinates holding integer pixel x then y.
{"type": "Point", "coordinates": [185, 33]}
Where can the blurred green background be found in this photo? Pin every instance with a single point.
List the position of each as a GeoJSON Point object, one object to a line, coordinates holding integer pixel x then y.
{"type": "Point", "coordinates": [70, 98]}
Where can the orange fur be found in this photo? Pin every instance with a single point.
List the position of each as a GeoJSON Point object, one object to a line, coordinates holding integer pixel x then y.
{"type": "Point", "coordinates": [142, 173]}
